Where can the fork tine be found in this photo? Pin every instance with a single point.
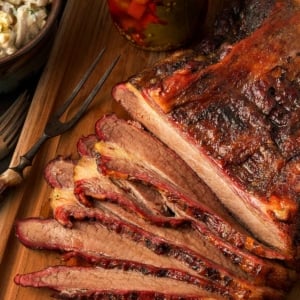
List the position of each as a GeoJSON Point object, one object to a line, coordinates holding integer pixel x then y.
{"type": "Point", "coordinates": [67, 125]}
{"type": "Point", "coordinates": [13, 111]}
{"type": "Point", "coordinates": [79, 85]}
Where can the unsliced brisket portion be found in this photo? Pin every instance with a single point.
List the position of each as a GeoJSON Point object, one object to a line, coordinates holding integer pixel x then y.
{"type": "Point", "coordinates": [235, 122]}
{"type": "Point", "coordinates": [116, 283]}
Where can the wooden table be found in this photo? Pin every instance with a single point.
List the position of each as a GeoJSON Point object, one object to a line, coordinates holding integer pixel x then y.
{"type": "Point", "coordinates": [84, 30]}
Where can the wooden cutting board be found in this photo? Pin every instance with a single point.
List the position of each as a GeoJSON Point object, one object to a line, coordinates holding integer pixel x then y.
{"type": "Point", "coordinates": [84, 30]}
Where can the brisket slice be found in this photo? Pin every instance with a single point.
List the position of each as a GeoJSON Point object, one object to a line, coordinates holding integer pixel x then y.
{"type": "Point", "coordinates": [89, 184]}
{"type": "Point", "coordinates": [235, 122]}
{"type": "Point", "coordinates": [184, 244]}
{"type": "Point", "coordinates": [116, 283]}
{"type": "Point", "coordinates": [143, 199]}
{"type": "Point", "coordinates": [96, 244]}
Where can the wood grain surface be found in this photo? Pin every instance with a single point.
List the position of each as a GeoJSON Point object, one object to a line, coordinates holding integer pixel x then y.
{"type": "Point", "coordinates": [85, 29]}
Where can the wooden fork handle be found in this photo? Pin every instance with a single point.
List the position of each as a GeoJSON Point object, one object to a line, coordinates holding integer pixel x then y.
{"type": "Point", "coordinates": [14, 175]}
{"type": "Point", "coordinates": [9, 178]}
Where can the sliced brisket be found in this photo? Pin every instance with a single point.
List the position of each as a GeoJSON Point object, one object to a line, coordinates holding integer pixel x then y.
{"type": "Point", "coordinates": [115, 283]}
{"type": "Point", "coordinates": [235, 122]}
{"type": "Point", "coordinates": [124, 148]}
{"type": "Point", "coordinates": [86, 172]}
{"type": "Point", "coordinates": [90, 184]}
{"type": "Point", "coordinates": [98, 245]}
{"type": "Point", "coordinates": [201, 271]}
{"type": "Point", "coordinates": [184, 244]}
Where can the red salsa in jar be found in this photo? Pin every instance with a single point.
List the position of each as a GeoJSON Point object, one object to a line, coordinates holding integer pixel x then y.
{"type": "Point", "coordinates": [158, 24]}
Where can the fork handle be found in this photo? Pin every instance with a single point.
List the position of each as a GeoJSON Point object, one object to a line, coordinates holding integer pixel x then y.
{"type": "Point", "coordinates": [14, 175]}
{"type": "Point", "coordinates": [9, 178]}
{"type": "Point", "coordinates": [27, 158]}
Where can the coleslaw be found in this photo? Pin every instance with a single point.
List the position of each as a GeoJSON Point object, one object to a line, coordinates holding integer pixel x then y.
{"type": "Point", "coordinates": [20, 22]}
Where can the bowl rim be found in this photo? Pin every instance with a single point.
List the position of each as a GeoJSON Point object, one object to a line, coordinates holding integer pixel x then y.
{"type": "Point", "coordinates": [56, 6]}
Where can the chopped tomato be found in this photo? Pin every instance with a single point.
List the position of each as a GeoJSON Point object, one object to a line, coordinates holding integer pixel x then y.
{"type": "Point", "coordinates": [128, 24]}
{"type": "Point", "coordinates": [117, 6]}
{"type": "Point", "coordinates": [136, 10]}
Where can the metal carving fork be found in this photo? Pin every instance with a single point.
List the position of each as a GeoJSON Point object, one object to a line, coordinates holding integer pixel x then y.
{"type": "Point", "coordinates": [54, 126]}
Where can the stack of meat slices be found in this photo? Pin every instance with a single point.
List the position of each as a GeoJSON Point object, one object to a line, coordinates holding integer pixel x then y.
{"type": "Point", "coordinates": [146, 226]}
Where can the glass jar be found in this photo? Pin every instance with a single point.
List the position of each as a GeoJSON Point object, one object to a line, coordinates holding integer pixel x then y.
{"type": "Point", "coordinates": [158, 25]}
